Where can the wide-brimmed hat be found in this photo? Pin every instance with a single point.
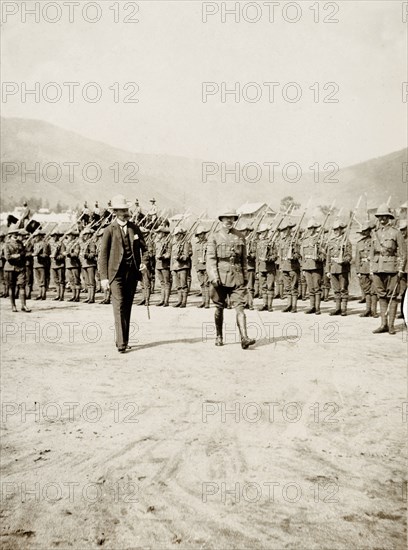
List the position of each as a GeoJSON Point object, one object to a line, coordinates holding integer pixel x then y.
{"type": "Point", "coordinates": [262, 228]}
{"type": "Point", "coordinates": [229, 214]}
{"type": "Point", "coordinates": [403, 224]}
{"type": "Point", "coordinates": [162, 229]}
{"type": "Point", "coordinates": [338, 224]}
{"type": "Point", "coordinates": [384, 210]}
{"type": "Point", "coordinates": [87, 231]}
{"type": "Point", "coordinates": [287, 224]}
{"type": "Point", "coordinates": [312, 223]}
{"type": "Point", "coordinates": [56, 232]}
{"type": "Point", "coordinates": [39, 233]}
{"type": "Point", "coordinates": [201, 229]}
{"type": "Point", "coordinates": [119, 202]}
{"type": "Point", "coordinates": [73, 232]}
{"type": "Point", "coordinates": [179, 230]}
{"type": "Point", "coordinates": [13, 230]}
{"type": "Point", "coordinates": [366, 226]}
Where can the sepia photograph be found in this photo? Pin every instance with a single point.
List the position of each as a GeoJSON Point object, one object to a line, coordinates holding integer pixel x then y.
{"type": "Point", "coordinates": [203, 303]}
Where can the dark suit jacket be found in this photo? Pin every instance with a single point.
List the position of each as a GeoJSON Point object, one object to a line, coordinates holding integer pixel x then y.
{"type": "Point", "coordinates": [112, 250]}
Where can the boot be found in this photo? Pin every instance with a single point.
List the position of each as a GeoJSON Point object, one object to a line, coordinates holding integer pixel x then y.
{"type": "Point", "coordinates": [207, 298]}
{"type": "Point", "coordinates": [27, 291]}
{"type": "Point", "coordinates": [180, 299]}
{"type": "Point", "coordinates": [184, 295]}
{"type": "Point", "coordinates": [161, 303]}
{"type": "Point", "coordinates": [43, 293]}
{"type": "Point", "coordinates": [288, 305]}
{"type": "Point", "coordinates": [325, 295]}
{"type": "Point", "coordinates": [229, 306]}
{"type": "Point", "coordinates": [303, 289]}
{"type": "Point", "coordinates": [219, 319]}
{"type": "Point", "coordinates": [337, 311]}
{"type": "Point", "coordinates": [40, 293]}
{"type": "Point", "coordinates": [250, 300]}
{"type": "Point", "coordinates": [383, 312]}
{"type": "Point", "coordinates": [72, 299]}
{"type": "Point", "coordinates": [166, 297]}
{"type": "Point", "coordinates": [367, 312]}
{"type": "Point", "coordinates": [312, 308]}
{"type": "Point", "coordinates": [77, 294]}
{"type": "Point", "coordinates": [62, 292]}
{"type": "Point", "coordinates": [241, 322]}
{"type": "Point", "coordinates": [392, 312]}
{"type": "Point", "coordinates": [281, 291]}
{"type": "Point", "coordinates": [23, 302]}
{"type": "Point", "coordinates": [12, 300]}
{"type": "Point", "coordinates": [92, 295]}
{"type": "Point", "coordinates": [57, 297]}
{"type": "Point", "coordinates": [89, 296]}
{"type": "Point", "coordinates": [343, 307]}
{"type": "Point", "coordinates": [362, 300]}
{"type": "Point", "coordinates": [317, 303]}
{"type": "Point", "coordinates": [270, 300]}
{"type": "Point", "coordinates": [142, 302]}
{"type": "Point", "coordinates": [264, 306]}
{"type": "Point", "coordinates": [202, 298]}
{"type": "Point", "coordinates": [374, 301]}
{"type": "Point", "coordinates": [294, 304]}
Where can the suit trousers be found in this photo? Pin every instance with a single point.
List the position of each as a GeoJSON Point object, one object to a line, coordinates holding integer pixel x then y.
{"type": "Point", "coordinates": [123, 288]}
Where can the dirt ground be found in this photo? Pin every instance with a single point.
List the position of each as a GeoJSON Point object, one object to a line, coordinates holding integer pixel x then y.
{"type": "Point", "coordinates": [299, 442]}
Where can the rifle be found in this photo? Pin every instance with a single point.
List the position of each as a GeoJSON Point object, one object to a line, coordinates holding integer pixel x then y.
{"type": "Point", "coordinates": [256, 224]}
{"type": "Point", "coordinates": [295, 235]}
{"type": "Point", "coordinates": [167, 241]}
{"type": "Point", "coordinates": [189, 234]}
{"type": "Point", "coordinates": [46, 236]}
{"type": "Point", "coordinates": [275, 229]}
{"type": "Point", "coordinates": [347, 231]}
{"type": "Point", "coordinates": [321, 230]}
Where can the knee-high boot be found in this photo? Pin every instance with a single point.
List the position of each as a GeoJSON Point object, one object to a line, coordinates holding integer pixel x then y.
{"type": "Point", "coordinates": [241, 322]}
{"type": "Point", "coordinates": [367, 312]}
{"type": "Point", "coordinates": [270, 300]}
{"type": "Point", "coordinates": [219, 319]}
{"type": "Point", "coordinates": [374, 302]}
{"type": "Point", "coordinates": [264, 306]}
{"type": "Point", "coordinates": [337, 310]}
{"type": "Point", "coordinates": [383, 313]}
{"type": "Point", "coordinates": [288, 304]}
{"type": "Point", "coordinates": [392, 312]}
{"type": "Point", "coordinates": [23, 301]}
{"type": "Point", "coordinates": [207, 297]}
{"type": "Point", "coordinates": [312, 308]}
{"type": "Point", "coordinates": [317, 303]}
{"type": "Point", "coordinates": [179, 300]}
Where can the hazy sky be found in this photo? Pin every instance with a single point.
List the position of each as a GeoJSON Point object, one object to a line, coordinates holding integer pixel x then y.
{"type": "Point", "coordinates": [171, 52]}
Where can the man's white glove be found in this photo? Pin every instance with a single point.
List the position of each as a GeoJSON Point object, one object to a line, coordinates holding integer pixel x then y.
{"type": "Point", "coordinates": [105, 284]}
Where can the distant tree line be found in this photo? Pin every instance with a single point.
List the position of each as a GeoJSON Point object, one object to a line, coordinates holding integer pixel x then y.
{"type": "Point", "coordinates": [35, 204]}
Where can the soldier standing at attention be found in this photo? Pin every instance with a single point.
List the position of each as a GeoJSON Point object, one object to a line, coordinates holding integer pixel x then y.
{"type": "Point", "coordinates": [14, 269]}
{"type": "Point", "coordinates": [58, 264]}
{"type": "Point", "coordinates": [3, 282]}
{"type": "Point", "coordinates": [339, 254]}
{"type": "Point", "coordinates": [289, 255]}
{"type": "Point", "coordinates": [181, 252]}
{"type": "Point", "coordinates": [266, 256]}
{"type": "Point", "coordinates": [362, 263]}
{"type": "Point", "coordinates": [29, 262]}
{"type": "Point", "coordinates": [163, 252]}
{"type": "Point", "coordinates": [251, 244]}
{"type": "Point", "coordinates": [88, 260]}
{"type": "Point", "coordinates": [403, 280]}
{"type": "Point", "coordinates": [200, 266]}
{"type": "Point", "coordinates": [227, 270]}
{"type": "Point", "coordinates": [73, 265]}
{"type": "Point", "coordinates": [41, 255]}
{"type": "Point", "coordinates": [312, 265]}
{"type": "Point", "coordinates": [388, 258]}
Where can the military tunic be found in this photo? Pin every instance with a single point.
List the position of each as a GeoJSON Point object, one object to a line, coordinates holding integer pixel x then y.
{"type": "Point", "coordinates": [312, 258]}
{"type": "Point", "coordinates": [388, 257]}
{"type": "Point", "coordinates": [362, 264]}
{"type": "Point", "coordinates": [339, 254]}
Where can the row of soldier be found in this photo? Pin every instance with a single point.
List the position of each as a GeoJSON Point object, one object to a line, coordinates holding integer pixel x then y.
{"type": "Point", "coordinates": [282, 261]}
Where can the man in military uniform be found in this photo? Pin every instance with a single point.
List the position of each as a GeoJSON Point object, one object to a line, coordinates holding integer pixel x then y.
{"type": "Point", "coordinates": [181, 252]}
{"type": "Point", "coordinates": [289, 254]}
{"type": "Point", "coordinates": [251, 244]}
{"type": "Point", "coordinates": [136, 211]}
{"type": "Point", "coordinates": [228, 273]}
{"type": "Point", "coordinates": [88, 261]}
{"type": "Point", "coordinates": [312, 265]}
{"type": "Point", "coordinates": [403, 280]}
{"type": "Point", "coordinates": [325, 278]}
{"type": "Point", "coordinates": [14, 269]}
{"type": "Point", "coordinates": [29, 261]}
{"type": "Point", "coordinates": [57, 249]}
{"type": "Point", "coordinates": [339, 254]}
{"type": "Point", "coordinates": [266, 255]}
{"type": "Point", "coordinates": [162, 246]}
{"type": "Point", "coordinates": [200, 265]}
{"type": "Point", "coordinates": [72, 264]}
{"type": "Point", "coordinates": [388, 257]}
{"type": "Point", "coordinates": [152, 213]}
{"type": "Point", "coordinates": [41, 256]}
{"type": "Point", "coordinates": [3, 281]}
{"type": "Point", "coordinates": [362, 264]}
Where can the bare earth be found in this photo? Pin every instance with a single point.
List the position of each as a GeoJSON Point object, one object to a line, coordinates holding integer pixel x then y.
{"type": "Point", "coordinates": [299, 442]}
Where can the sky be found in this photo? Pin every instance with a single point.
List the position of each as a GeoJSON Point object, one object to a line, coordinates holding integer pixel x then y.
{"type": "Point", "coordinates": [170, 52]}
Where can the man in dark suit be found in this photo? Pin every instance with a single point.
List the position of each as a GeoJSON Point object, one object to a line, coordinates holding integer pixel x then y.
{"type": "Point", "coordinates": [120, 266]}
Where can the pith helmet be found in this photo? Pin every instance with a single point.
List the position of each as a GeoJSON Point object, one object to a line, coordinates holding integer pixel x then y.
{"type": "Point", "coordinates": [229, 214]}
{"type": "Point", "coordinates": [384, 210]}
{"type": "Point", "coordinates": [119, 202]}
{"type": "Point", "coordinates": [312, 223]}
{"type": "Point", "coordinates": [179, 230]}
{"type": "Point", "coordinates": [39, 233]}
{"type": "Point", "coordinates": [403, 224]}
{"type": "Point", "coordinates": [73, 232]}
{"type": "Point", "coordinates": [338, 224]}
{"type": "Point", "coordinates": [201, 229]}
{"type": "Point", "coordinates": [87, 231]}
{"type": "Point", "coordinates": [287, 224]}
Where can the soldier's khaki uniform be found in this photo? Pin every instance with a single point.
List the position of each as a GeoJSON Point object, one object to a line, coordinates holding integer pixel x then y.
{"type": "Point", "coordinates": [339, 255]}
{"type": "Point", "coordinates": [14, 270]}
{"type": "Point", "coordinates": [73, 268]}
{"type": "Point", "coordinates": [180, 265]}
{"type": "Point", "coordinates": [162, 247]}
{"type": "Point", "coordinates": [289, 254]}
{"type": "Point", "coordinates": [200, 257]}
{"type": "Point", "coordinates": [88, 261]}
{"type": "Point", "coordinates": [266, 256]}
{"type": "Point", "coordinates": [387, 261]}
{"type": "Point", "coordinates": [362, 264]}
{"type": "Point", "coordinates": [227, 270]}
{"type": "Point", "coordinates": [312, 258]}
{"type": "Point", "coordinates": [41, 256]}
{"type": "Point", "coordinates": [57, 257]}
